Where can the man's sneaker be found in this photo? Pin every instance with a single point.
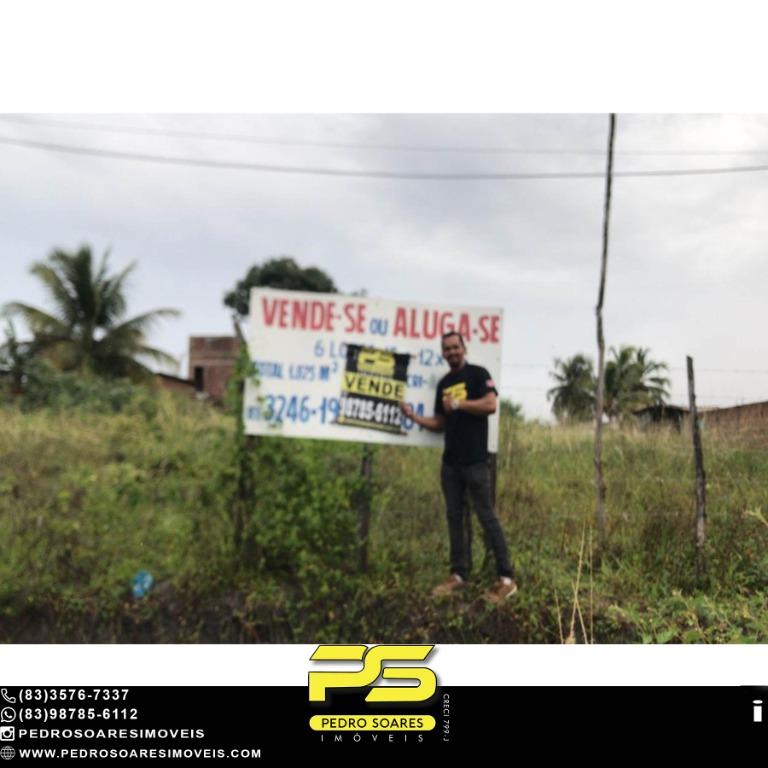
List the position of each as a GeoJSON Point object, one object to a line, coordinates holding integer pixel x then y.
{"type": "Point", "coordinates": [453, 582]}
{"type": "Point", "coordinates": [502, 589]}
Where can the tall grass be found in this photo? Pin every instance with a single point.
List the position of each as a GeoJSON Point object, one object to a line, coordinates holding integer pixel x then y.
{"type": "Point", "coordinates": [87, 499]}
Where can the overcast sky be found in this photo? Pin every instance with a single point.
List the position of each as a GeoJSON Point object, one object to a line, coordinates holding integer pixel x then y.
{"type": "Point", "coordinates": [687, 267]}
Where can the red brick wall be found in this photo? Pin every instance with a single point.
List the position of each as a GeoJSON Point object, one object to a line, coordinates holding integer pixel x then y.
{"type": "Point", "coordinates": [744, 421]}
{"type": "Point", "coordinates": [217, 356]}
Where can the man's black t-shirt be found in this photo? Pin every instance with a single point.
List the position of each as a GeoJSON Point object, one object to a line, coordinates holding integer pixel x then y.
{"type": "Point", "coordinates": [466, 435]}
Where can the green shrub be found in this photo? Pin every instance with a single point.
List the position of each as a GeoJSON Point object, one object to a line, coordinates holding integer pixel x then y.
{"type": "Point", "coordinates": [45, 387]}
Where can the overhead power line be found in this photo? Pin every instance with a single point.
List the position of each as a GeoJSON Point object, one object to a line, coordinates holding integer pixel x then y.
{"type": "Point", "coordinates": [373, 146]}
{"type": "Point", "coordinates": [371, 174]}
{"type": "Point", "coordinates": [760, 371]}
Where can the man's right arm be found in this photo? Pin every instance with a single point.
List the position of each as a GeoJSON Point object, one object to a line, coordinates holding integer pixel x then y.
{"type": "Point", "coordinates": [434, 423]}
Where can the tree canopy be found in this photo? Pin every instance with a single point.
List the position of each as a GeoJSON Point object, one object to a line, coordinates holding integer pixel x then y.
{"type": "Point", "coordinates": [87, 331]}
{"type": "Point", "coordinates": [281, 272]}
{"type": "Point", "coordinates": [573, 397]}
{"type": "Point", "coordinates": [632, 381]}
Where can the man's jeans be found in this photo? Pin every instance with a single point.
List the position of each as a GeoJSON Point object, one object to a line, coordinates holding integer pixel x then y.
{"type": "Point", "coordinates": [475, 479]}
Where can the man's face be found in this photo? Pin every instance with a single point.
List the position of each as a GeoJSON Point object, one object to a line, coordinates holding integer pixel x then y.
{"type": "Point", "coordinates": [453, 351]}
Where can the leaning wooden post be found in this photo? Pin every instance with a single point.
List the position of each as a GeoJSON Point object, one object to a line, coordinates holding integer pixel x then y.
{"type": "Point", "coordinates": [364, 507]}
{"type": "Point", "coordinates": [701, 478]}
{"type": "Point", "coordinates": [599, 480]}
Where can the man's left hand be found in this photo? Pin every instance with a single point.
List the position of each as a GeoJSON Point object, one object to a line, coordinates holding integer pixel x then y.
{"type": "Point", "coordinates": [448, 404]}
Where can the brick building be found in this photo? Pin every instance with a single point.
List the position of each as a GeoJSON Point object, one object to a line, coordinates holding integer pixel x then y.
{"type": "Point", "coordinates": [748, 422]}
{"type": "Point", "coordinates": [211, 363]}
{"type": "Point", "coordinates": [661, 415]}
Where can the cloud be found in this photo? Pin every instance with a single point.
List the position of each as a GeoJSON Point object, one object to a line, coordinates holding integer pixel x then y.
{"type": "Point", "coordinates": [686, 266]}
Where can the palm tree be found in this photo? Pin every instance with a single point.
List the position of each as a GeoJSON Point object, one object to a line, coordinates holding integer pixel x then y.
{"type": "Point", "coordinates": [620, 382]}
{"type": "Point", "coordinates": [633, 380]}
{"type": "Point", "coordinates": [654, 385]}
{"type": "Point", "coordinates": [573, 399]}
{"type": "Point", "coordinates": [87, 331]}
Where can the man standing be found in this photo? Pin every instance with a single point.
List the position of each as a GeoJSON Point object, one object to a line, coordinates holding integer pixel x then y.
{"type": "Point", "coordinates": [465, 398]}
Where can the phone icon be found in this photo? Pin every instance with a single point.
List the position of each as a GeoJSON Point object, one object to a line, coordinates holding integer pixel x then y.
{"type": "Point", "coordinates": [4, 694]}
{"type": "Point", "coordinates": [8, 715]}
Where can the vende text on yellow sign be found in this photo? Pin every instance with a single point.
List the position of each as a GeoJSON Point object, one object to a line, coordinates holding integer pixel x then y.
{"type": "Point", "coordinates": [364, 384]}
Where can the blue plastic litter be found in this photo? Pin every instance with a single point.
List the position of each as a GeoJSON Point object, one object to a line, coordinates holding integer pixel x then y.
{"type": "Point", "coordinates": [142, 582]}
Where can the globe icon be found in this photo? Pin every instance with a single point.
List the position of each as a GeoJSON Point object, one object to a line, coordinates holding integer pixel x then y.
{"type": "Point", "coordinates": [7, 753]}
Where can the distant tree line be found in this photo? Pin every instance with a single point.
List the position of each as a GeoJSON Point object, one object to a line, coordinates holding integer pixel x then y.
{"type": "Point", "coordinates": [87, 332]}
{"type": "Point", "coordinates": [632, 381]}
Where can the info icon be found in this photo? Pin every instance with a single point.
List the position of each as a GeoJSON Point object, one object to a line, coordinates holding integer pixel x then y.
{"type": "Point", "coordinates": [7, 753]}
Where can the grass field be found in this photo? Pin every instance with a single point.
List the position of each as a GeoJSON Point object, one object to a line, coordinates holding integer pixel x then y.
{"type": "Point", "coordinates": [88, 498]}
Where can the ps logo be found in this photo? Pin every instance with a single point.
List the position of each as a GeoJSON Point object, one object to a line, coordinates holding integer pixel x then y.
{"type": "Point", "coordinates": [373, 667]}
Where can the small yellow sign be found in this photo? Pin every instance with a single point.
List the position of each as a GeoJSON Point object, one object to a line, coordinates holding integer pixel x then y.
{"type": "Point", "coordinates": [378, 361]}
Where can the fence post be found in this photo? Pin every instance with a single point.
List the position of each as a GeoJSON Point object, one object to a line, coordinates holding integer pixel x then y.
{"type": "Point", "coordinates": [364, 507]}
{"type": "Point", "coordinates": [701, 478]}
{"type": "Point", "coordinates": [598, 460]}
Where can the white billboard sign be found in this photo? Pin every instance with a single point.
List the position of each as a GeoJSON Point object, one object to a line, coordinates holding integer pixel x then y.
{"type": "Point", "coordinates": [333, 367]}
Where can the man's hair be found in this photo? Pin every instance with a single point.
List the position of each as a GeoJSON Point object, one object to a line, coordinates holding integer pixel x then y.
{"type": "Point", "coordinates": [454, 333]}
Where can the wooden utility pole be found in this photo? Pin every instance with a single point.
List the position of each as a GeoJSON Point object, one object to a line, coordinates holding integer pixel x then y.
{"type": "Point", "coordinates": [599, 480]}
{"type": "Point", "coordinates": [701, 478]}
